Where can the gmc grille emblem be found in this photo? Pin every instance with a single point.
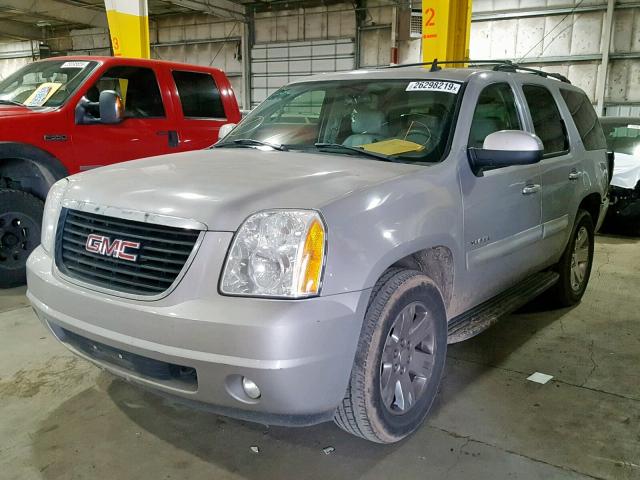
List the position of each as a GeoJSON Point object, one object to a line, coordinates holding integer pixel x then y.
{"type": "Point", "coordinates": [115, 248]}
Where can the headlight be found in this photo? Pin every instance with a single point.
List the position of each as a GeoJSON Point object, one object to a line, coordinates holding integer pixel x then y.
{"type": "Point", "coordinates": [276, 253]}
{"type": "Point", "coordinates": [52, 209]}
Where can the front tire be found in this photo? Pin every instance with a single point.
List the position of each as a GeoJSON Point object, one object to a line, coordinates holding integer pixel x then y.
{"type": "Point", "coordinates": [399, 361]}
{"type": "Point", "coordinates": [20, 224]}
{"type": "Point", "coordinates": [575, 265]}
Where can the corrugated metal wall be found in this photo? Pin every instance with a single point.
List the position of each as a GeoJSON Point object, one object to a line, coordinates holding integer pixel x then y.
{"type": "Point", "coordinates": [567, 43]}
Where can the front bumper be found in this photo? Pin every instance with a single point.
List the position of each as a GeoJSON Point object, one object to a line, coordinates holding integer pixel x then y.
{"type": "Point", "coordinates": [299, 352]}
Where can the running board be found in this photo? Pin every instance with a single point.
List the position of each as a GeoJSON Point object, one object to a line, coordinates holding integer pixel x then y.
{"type": "Point", "coordinates": [478, 319]}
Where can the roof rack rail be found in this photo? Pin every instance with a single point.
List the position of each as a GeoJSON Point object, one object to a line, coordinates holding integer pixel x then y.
{"type": "Point", "coordinates": [498, 66]}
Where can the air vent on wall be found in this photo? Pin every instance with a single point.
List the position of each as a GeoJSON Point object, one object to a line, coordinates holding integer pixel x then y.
{"type": "Point", "coordinates": [415, 24]}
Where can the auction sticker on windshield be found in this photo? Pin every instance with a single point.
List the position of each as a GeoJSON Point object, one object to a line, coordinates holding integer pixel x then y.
{"type": "Point", "coordinates": [74, 64]}
{"type": "Point", "coordinates": [433, 86]}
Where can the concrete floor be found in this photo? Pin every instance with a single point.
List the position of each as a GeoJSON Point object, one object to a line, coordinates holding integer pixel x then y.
{"type": "Point", "coordinates": [61, 418]}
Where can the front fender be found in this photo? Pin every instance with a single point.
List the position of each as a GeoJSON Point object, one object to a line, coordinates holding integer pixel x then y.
{"type": "Point", "coordinates": [370, 230]}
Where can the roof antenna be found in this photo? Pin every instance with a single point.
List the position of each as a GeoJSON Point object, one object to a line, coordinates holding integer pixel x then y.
{"type": "Point", "coordinates": [434, 66]}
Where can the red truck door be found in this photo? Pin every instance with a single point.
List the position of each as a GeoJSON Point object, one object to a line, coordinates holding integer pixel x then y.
{"type": "Point", "coordinates": [206, 102]}
{"type": "Point", "coordinates": [149, 126]}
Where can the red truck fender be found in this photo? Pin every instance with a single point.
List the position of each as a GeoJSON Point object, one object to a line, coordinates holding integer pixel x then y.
{"type": "Point", "coordinates": [28, 168]}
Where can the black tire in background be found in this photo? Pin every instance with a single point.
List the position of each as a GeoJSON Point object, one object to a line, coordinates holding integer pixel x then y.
{"type": "Point", "coordinates": [20, 225]}
{"type": "Point", "coordinates": [575, 265]}
{"type": "Point", "coordinates": [370, 409]}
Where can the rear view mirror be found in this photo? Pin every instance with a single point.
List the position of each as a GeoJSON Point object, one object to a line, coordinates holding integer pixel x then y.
{"type": "Point", "coordinates": [225, 130]}
{"type": "Point", "coordinates": [506, 148]}
{"type": "Point", "coordinates": [111, 107]}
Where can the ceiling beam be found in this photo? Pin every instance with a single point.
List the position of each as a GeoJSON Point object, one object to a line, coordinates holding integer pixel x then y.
{"type": "Point", "coordinates": [60, 11]}
{"type": "Point", "coordinates": [219, 8]}
{"type": "Point", "coordinates": [19, 30]}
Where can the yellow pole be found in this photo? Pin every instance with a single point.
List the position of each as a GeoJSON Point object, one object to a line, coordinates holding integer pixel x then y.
{"type": "Point", "coordinates": [129, 27]}
{"type": "Point", "coordinates": [446, 27]}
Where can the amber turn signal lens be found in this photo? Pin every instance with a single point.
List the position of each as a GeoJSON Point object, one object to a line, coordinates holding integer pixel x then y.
{"type": "Point", "coordinates": [312, 260]}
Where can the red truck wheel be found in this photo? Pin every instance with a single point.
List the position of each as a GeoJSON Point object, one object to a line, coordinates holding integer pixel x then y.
{"type": "Point", "coordinates": [20, 224]}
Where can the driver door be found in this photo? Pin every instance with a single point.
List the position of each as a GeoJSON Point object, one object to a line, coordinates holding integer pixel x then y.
{"type": "Point", "coordinates": [148, 128]}
{"type": "Point", "coordinates": [502, 206]}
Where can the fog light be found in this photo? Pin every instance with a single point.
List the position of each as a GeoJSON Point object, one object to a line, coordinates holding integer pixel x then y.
{"type": "Point", "coordinates": [250, 388]}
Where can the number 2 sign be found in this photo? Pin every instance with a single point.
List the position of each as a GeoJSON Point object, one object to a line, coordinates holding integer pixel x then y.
{"type": "Point", "coordinates": [428, 23]}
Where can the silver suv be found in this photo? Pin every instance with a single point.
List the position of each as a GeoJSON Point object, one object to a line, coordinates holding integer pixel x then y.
{"type": "Point", "coordinates": [314, 264]}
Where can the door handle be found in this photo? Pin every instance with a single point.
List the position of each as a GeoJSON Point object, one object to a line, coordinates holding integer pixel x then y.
{"type": "Point", "coordinates": [172, 137]}
{"type": "Point", "coordinates": [531, 188]}
{"type": "Point", "coordinates": [574, 175]}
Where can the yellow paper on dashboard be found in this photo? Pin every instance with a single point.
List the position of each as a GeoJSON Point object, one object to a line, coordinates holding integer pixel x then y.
{"type": "Point", "coordinates": [41, 94]}
{"type": "Point", "coordinates": [393, 146]}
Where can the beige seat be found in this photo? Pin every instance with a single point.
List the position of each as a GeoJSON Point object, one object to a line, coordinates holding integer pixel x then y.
{"type": "Point", "coordinates": [368, 126]}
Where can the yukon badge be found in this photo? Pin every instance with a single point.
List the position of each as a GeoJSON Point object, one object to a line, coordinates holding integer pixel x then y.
{"type": "Point", "coordinates": [115, 248]}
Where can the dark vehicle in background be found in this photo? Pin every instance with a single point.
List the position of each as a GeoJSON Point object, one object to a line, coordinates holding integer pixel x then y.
{"type": "Point", "coordinates": [64, 115]}
{"type": "Point", "coordinates": [623, 139]}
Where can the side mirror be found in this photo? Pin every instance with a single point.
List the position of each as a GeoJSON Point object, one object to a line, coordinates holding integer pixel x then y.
{"type": "Point", "coordinates": [225, 130]}
{"type": "Point", "coordinates": [111, 107]}
{"type": "Point", "coordinates": [506, 148]}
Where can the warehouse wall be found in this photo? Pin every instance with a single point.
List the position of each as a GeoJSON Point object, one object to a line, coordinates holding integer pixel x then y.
{"type": "Point", "coordinates": [319, 23]}
{"type": "Point", "coordinates": [14, 55]}
{"type": "Point", "coordinates": [577, 35]}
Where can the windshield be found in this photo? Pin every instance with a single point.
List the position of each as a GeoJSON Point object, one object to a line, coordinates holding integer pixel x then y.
{"type": "Point", "coordinates": [401, 120]}
{"type": "Point", "coordinates": [623, 136]}
{"type": "Point", "coordinates": [44, 84]}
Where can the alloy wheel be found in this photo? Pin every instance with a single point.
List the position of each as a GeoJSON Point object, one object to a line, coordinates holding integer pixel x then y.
{"type": "Point", "coordinates": [407, 359]}
{"type": "Point", "coordinates": [580, 259]}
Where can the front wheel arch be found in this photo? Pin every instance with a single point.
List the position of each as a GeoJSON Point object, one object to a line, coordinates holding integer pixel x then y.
{"type": "Point", "coordinates": [29, 169]}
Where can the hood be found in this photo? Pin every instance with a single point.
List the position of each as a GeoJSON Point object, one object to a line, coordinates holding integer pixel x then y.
{"type": "Point", "coordinates": [16, 111]}
{"type": "Point", "coordinates": [221, 187]}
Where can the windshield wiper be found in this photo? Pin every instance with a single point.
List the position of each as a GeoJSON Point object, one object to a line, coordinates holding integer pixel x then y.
{"type": "Point", "coordinates": [12, 102]}
{"type": "Point", "coordinates": [250, 142]}
{"type": "Point", "coordinates": [361, 151]}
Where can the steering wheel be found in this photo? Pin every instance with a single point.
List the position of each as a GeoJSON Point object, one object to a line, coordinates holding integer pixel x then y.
{"type": "Point", "coordinates": [417, 131]}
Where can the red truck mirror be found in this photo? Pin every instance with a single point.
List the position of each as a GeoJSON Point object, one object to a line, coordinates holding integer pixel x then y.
{"type": "Point", "coordinates": [111, 107]}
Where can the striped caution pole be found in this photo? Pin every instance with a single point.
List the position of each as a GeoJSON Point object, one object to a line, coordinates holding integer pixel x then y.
{"type": "Point", "coordinates": [129, 27]}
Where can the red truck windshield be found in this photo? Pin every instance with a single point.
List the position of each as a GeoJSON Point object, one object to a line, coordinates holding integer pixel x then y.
{"type": "Point", "coordinates": [45, 84]}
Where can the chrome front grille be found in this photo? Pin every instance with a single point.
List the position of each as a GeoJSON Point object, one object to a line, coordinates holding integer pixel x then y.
{"type": "Point", "coordinates": [119, 254]}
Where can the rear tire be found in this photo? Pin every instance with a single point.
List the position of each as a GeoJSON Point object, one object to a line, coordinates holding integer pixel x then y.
{"type": "Point", "coordinates": [20, 224]}
{"type": "Point", "coordinates": [575, 265]}
{"type": "Point", "coordinates": [399, 361]}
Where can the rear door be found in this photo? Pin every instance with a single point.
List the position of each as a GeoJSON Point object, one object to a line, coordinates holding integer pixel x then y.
{"type": "Point", "coordinates": [560, 167]}
{"type": "Point", "coordinates": [502, 206]}
{"type": "Point", "coordinates": [148, 128]}
{"type": "Point", "coordinates": [200, 107]}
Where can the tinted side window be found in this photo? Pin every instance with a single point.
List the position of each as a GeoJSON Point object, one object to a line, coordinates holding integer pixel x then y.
{"type": "Point", "coordinates": [199, 95]}
{"type": "Point", "coordinates": [138, 88]}
{"type": "Point", "coordinates": [547, 122]}
{"type": "Point", "coordinates": [585, 119]}
{"type": "Point", "coordinates": [496, 110]}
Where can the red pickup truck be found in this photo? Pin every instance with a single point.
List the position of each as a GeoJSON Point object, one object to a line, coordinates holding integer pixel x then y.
{"type": "Point", "coordinates": [64, 115]}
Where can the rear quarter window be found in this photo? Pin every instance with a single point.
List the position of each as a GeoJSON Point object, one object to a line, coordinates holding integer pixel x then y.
{"type": "Point", "coordinates": [547, 121]}
{"type": "Point", "coordinates": [586, 120]}
{"type": "Point", "coordinates": [199, 95]}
